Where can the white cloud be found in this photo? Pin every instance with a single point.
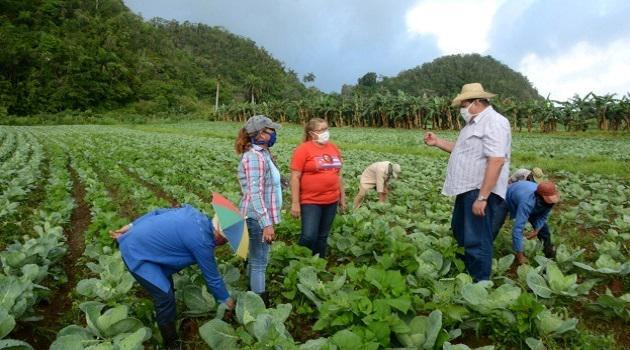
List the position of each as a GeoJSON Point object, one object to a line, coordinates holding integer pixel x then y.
{"type": "Point", "coordinates": [581, 69]}
{"type": "Point", "coordinates": [460, 26]}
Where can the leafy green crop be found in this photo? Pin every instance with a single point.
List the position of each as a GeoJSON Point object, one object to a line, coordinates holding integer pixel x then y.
{"type": "Point", "coordinates": [112, 329]}
{"type": "Point", "coordinates": [555, 283]}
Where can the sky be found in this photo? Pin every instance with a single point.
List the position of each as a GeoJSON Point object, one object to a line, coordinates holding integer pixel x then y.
{"type": "Point", "coordinates": [563, 47]}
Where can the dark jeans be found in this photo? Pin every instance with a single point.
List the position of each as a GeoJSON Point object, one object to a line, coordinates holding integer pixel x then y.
{"type": "Point", "coordinates": [543, 235]}
{"type": "Point", "coordinates": [164, 303]}
{"type": "Point", "coordinates": [316, 222]}
{"type": "Point", "coordinates": [477, 233]}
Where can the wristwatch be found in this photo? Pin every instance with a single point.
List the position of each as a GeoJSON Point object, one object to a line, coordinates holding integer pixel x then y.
{"type": "Point", "coordinates": [482, 198]}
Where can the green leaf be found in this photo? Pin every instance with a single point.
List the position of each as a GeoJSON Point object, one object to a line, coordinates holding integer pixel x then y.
{"type": "Point", "coordinates": [503, 264]}
{"type": "Point", "coordinates": [248, 307]}
{"type": "Point", "coordinates": [262, 328]}
{"type": "Point", "coordinates": [219, 335]}
{"type": "Point", "coordinates": [75, 330]}
{"type": "Point", "coordinates": [92, 310]}
{"type": "Point", "coordinates": [586, 286]}
{"type": "Point", "coordinates": [195, 300]}
{"type": "Point", "coordinates": [87, 287]}
{"type": "Point", "coordinates": [33, 272]}
{"type": "Point", "coordinates": [110, 317]}
{"type": "Point", "coordinates": [538, 284]}
{"type": "Point", "coordinates": [535, 344]}
{"type": "Point", "coordinates": [347, 340]}
{"type": "Point", "coordinates": [381, 330]}
{"type": "Point", "coordinates": [551, 324]}
{"type": "Point", "coordinates": [557, 281]}
{"type": "Point", "coordinates": [127, 325]}
{"type": "Point", "coordinates": [134, 340]}
{"type": "Point", "coordinates": [7, 323]}
{"type": "Point", "coordinates": [281, 312]}
{"type": "Point", "coordinates": [415, 336]}
{"type": "Point", "coordinates": [402, 303]}
{"type": "Point", "coordinates": [315, 344]}
{"type": "Point", "coordinates": [68, 342]}
{"type": "Point", "coordinates": [309, 294]}
{"type": "Point", "coordinates": [474, 294]}
{"type": "Point", "coordinates": [307, 276]}
{"type": "Point", "coordinates": [434, 325]}
{"type": "Point", "coordinates": [11, 344]}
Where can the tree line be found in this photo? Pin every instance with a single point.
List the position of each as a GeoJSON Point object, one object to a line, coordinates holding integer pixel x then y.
{"type": "Point", "coordinates": [402, 110]}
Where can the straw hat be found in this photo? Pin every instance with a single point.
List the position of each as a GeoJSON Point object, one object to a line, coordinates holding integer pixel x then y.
{"type": "Point", "coordinates": [471, 91]}
{"type": "Point", "coordinates": [538, 174]}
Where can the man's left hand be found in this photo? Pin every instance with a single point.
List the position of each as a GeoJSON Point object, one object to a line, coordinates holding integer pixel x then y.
{"type": "Point", "coordinates": [479, 208]}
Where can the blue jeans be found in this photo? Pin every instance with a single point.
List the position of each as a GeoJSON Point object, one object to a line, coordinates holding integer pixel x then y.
{"type": "Point", "coordinates": [476, 233]}
{"type": "Point", "coordinates": [165, 312]}
{"type": "Point", "coordinates": [317, 220]}
{"type": "Point", "coordinates": [258, 257]}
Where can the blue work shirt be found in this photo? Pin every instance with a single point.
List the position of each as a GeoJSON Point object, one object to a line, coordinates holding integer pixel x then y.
{"type": "Point", "coordinates": [165, 241]}
{"type": "Point", "coordinates": [521, 201]}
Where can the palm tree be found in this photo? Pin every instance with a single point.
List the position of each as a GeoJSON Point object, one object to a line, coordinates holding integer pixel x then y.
{"type": "Point", "coordinates": [253, 84]}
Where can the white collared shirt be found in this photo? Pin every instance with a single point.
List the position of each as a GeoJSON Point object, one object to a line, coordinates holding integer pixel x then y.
{"type": "Point", "coordinates": [487, 135]}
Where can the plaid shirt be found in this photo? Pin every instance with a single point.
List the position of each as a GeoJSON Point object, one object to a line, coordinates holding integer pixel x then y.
{"type": "Point", "coordinates": [260, 195]}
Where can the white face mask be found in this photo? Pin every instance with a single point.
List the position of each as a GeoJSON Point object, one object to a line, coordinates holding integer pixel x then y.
{"type": "Point", "coordinates": [466, 113]}
{"type": "Point", "coordinates": [323, 137]}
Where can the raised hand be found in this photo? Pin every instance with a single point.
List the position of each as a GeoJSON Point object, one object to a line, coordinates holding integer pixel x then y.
{"type": "Point", "coordinates": [430, 139]}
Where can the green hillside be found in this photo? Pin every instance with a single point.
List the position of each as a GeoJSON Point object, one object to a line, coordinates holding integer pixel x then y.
{"type": "Point", "coordinates": [71, 54]}
{"type": "Point", "coordinates": [444, 76]}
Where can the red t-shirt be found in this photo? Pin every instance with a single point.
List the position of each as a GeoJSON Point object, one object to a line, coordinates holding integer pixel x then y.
{"type": "Point", "coordinates": [320, 166]}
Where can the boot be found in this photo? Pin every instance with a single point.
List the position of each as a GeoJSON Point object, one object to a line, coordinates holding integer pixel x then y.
{"type": "Point", "coordinates": [265, 297]}
{"type": "Point", "coordinates": [169, 335]}
{"type": "Point", "coordinates": [550, 253]}
{"type": "Point", "coordinates": [521, 259]}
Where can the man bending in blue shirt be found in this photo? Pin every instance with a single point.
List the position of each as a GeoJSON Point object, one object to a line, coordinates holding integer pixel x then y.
{"type": "Point", "coordinates": [163, 242]}
{"type": "Point", "coordinates": [528, 201]}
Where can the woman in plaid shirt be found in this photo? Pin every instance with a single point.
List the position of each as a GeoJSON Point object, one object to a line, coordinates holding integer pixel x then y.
{"type": "Point", "coordinates": [262, 193]}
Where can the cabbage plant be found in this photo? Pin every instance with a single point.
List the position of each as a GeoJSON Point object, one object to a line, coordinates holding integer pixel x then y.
{"type": "Point", "coordinates": [109, 330]}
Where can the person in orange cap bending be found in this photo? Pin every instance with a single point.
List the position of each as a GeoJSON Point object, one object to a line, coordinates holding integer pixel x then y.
{"type": "Point", "coordinates": [528, 201]}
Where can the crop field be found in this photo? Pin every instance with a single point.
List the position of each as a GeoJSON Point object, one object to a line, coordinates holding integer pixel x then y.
{"type": "Point", "coordinates": [392, 279]}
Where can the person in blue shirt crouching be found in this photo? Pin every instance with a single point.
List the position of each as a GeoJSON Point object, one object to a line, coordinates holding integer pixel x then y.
{"type": "Point", "coordinates": [163, 242]}
{"type": "Point", "coordinates": [528, 201]}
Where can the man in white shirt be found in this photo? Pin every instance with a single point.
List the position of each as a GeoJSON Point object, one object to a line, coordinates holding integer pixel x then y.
{"type": "Point", "coordinates": [477, 174]}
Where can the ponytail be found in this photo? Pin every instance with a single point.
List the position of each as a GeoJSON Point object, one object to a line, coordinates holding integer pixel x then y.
{"type": "Point", "coordinates": [243, 142]}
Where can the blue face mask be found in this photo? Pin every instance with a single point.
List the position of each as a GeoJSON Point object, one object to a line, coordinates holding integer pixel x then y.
{"type": "Point", "coordinates": [271, 142]}
{"type": "Point", "coordinates": [272, 139]}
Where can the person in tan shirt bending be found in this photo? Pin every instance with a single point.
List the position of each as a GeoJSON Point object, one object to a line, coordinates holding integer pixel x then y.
{"type": "Point", "coordinates": [377, 174]}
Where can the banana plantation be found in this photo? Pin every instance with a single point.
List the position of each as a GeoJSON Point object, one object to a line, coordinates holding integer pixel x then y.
{"type": "Point", "coordinates": [422, 112]}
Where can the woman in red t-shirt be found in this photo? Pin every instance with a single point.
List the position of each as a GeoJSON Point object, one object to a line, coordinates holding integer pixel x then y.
{"type": "Point", "coordinates": [316, 185]}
